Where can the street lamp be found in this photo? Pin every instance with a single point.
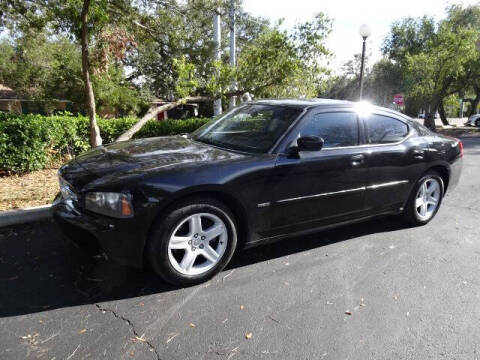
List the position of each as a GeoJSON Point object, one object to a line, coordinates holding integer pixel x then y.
{"type": "Point", "coordinates": [364, 32]}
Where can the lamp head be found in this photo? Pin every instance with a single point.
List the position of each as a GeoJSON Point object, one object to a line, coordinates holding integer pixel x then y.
{"type": "Point", "coordinates": [364, 31]}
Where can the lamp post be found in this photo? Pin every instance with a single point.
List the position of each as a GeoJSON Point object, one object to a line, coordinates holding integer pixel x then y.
{"type": "Point", "coordinates": [364, 32]}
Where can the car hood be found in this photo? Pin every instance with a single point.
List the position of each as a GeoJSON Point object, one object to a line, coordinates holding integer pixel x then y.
{"type": "Point", "coordinates": [141, 154]}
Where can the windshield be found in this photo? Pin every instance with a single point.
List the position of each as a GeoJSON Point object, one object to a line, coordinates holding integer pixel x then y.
{"type": "Point", "coordinates": [250, 128]}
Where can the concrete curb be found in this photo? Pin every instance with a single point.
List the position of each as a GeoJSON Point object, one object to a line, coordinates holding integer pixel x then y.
{"type": "Point", "coordinates": [20, 216]}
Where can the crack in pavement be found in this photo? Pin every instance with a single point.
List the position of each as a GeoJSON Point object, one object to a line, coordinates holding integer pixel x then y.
{"type": "Point", "coordinates": [132, 327]}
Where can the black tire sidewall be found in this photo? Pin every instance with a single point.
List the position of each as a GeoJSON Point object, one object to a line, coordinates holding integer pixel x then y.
{"type": "Point", "coordinates": [158, 244]}
{"type": "Point", "coordinates": [411, 213]}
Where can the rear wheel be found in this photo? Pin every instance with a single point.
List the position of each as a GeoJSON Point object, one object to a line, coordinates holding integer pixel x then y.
{"type": "Point", "coordinates": [195, 241]}
{"type": "Point", "coordinates": [425, 199]}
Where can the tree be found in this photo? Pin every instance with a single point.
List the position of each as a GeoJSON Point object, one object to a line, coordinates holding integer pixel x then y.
{"type": "Point", "coordinates": [42, 70]}
{"type": "Point", "coordinates": [468, 18]}
{"type": "Point", "coordinates": [274, 64]}
{"type": "Point", "coordinates": [79, 20]}
{"type": "Point", "coordinates": [436, 72]}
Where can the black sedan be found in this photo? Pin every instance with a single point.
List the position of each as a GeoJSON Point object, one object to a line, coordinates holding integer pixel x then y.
{"type": "Point", "coordinates": [263, 171]}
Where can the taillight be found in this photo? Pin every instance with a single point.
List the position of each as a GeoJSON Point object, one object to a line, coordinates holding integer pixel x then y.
{"type": "Point", "coordinates": [460, 147]}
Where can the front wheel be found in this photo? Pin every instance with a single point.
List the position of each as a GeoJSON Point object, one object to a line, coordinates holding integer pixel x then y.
{"type": "Point", "coordinates": [477, 123]}
{"type": "Point", "coordinates": [425, 199]}
{"type": "Point", "coordinates": [195, 241]}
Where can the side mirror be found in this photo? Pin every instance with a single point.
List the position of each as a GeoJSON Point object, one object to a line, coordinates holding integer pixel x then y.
{"type": "Point", "coordinates": [310, 143]}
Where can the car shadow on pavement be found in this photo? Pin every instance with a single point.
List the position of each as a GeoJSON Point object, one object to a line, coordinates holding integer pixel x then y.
{"type": "Point", "coordinates": [39, 272]}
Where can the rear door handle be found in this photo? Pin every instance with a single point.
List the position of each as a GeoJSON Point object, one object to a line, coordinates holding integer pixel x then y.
{"type": "Point", "coordinates": [419, 154]}
{"type": "Point", "coordinates": [358, 159]}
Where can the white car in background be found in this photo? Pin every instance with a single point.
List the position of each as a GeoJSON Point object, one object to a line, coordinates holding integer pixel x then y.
{"type": "Point", "coordinates": [473, 120]}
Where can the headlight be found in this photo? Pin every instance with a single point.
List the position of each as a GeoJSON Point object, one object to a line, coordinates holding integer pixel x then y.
{"type": "Point", "coordinates": [110, 204]}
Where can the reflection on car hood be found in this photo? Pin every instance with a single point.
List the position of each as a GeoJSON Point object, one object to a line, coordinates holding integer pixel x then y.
{"type": "Point", "coordinates": [142, 154]}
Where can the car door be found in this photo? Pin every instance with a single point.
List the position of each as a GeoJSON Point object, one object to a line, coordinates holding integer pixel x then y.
{"type": "Point", "coordinates": [317, 188]}
{"type": "Point", "coordinates": [395, 157]}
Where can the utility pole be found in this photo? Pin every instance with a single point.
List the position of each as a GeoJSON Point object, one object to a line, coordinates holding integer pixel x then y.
{"type": "Point", "coordinates": [233, 50]}
{"type": "Point", "coordinates": [217, 38]}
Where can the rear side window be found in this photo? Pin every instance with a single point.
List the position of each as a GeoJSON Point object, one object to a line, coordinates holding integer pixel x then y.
{"type": "Point", "coordinates": [337, 129]}
{"type": "Point", "coordinates": [422, 130]}
{"type": "Point", "coordinates": [385, 130]}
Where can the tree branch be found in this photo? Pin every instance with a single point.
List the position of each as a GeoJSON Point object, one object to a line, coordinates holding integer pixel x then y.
{"type": "Point", "coordinates": [153, 111]}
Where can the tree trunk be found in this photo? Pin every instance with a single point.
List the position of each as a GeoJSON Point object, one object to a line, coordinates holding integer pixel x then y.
{"type": "Point", "coordinates": [475, 102]}
{"type": "Point", "coordinates": [95, 139]}
{"type": "Point", "coordinates": [153, 111]}
{"type": "Point", "coordinates": [429, 121]}
{"type": "Point", "coordinates": [443, 116]}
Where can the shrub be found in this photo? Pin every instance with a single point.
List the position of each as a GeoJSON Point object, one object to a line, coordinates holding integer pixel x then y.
{"type": "Point", "coordinates": [30, 142]}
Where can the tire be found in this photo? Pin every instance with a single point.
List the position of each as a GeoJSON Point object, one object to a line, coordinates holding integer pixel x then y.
{"type": "Point", "coordinates": [477, 123]}
{"type": "Point", "coordinates": [419, 209]}
{"type": "Point", "coordinates": [182, 235]}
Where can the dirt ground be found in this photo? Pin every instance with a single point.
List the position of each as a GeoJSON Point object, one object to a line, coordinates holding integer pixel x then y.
{"type": "Point", "coordinates": [32, 189]}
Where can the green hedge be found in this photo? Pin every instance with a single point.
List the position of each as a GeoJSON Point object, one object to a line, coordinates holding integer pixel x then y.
{"type": "Point", "coordinates": [30, 142]}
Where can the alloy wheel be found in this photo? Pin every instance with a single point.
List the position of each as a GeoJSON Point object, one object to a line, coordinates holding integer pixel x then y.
{"type": "Point", "coordinates": [197, 243]}
{"type": "Point", "coordinates": [428, 198]}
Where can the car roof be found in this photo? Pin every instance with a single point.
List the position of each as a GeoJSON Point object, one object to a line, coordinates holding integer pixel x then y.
{"type": "Point", "coordinates": [320, 103]}
{"type": "Point", "coordinates": [301, 102]}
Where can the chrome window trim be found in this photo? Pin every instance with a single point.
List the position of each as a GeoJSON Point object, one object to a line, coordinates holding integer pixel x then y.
{"type": "Point", "coordinates": [363, 188]}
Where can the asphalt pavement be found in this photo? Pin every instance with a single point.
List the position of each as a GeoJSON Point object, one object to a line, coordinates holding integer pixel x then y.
{"type": "Point", "coordinates": [377, 290]}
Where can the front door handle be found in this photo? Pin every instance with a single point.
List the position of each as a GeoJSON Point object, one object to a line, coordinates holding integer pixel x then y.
{"type": "Point", "coordinates": [358, 159]}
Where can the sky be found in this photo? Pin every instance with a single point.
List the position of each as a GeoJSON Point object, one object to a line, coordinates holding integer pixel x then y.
{"type": "Point", "coordinates": [348, 15]}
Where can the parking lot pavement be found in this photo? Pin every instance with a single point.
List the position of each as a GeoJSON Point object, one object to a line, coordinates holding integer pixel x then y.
{"type": "Point", "coordinates": [377, 290]}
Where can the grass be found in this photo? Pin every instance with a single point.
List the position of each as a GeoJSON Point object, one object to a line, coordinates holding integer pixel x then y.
{"type": "Point", "coordinates": [31, 189]}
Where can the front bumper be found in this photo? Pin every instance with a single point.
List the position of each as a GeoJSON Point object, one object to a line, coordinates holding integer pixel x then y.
{"type": "Point", "coordinates": [123, 240]}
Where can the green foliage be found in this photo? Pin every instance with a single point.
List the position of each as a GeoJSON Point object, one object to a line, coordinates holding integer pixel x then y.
{"type": "Point", "coordinates": [435, 72]}
{"type": "Point", "coordinates": [186, 81]}
{"type": "Point", "coordinates": [31, 142]}
{"type": "Point", "coordinates": [40, 68]}
{"type": "Point", "coordinates": [409, 36]}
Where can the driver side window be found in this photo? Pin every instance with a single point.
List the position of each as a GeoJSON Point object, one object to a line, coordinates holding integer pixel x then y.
{"type": "Point", "coordinates": [337, 129]}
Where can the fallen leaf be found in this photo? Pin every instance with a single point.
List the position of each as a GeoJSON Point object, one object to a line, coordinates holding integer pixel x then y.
{"type": "Point", "coordinates": [172, 337]}
{"type": "Point", "coordinates": [82, 331]}
{"type": "Point", "coordinates": [248, 335]}
{"type": "Point", "coordinates": [348, 312]}
{"type": "Point", "coordinates": [138, 339]}
{"type": "Point", "coordinates": [241, 307]}
{"type": "Point", "coordinates": [192, 325]}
